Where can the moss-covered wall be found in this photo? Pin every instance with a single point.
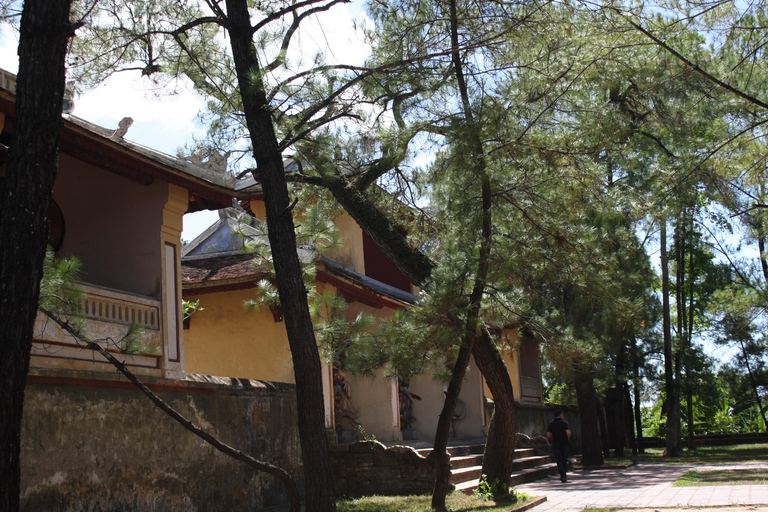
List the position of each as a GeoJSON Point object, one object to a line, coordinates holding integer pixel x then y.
{"type": "Point", "coordinates": [103, 446]}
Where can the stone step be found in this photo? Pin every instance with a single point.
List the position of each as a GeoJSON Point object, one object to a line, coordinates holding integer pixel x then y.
{"type": "Point", "coordinates": [457, 451]}
{"type": "Point", "coordinates": [476, 449]}
{"type": "Point", "coordinates": [517, 478]}
{"type": "Point", "coordinates": [534, 473]}
{"type": "Point", "coordinates": [465, 461]}
{"type": "Point", "coordinates": [530, 461]}
{"type": "Point", "coordinates": [464, 474]}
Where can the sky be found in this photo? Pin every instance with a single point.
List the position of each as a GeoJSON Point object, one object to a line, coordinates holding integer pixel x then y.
{"type": "Point", "coordinates": [166, 123]}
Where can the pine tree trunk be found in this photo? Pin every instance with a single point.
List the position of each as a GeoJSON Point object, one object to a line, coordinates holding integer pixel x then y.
{"type": "Point", "coordinates": [631, 424]}
{"type": "Point", "coordinates": [439, 457]}
{"type": "Point", "coordinates": [620, 427]}
{"type": "Point", "coordinates": [472, 321]}
{"type": "Point", "coordinates": [500, 444]}
{"type": "Point", "coordinates": [601, 423]}
{"type": "Point", "coordinates": [24, 214]}
{"type": "Point", "coordinates": [669, 371]}
{"type": "Point", "coordinates": [591, 445]}
{"type": "Point", "coordinates": [282, 238]}
{"type": "Point", "coordinates": [639, 420]}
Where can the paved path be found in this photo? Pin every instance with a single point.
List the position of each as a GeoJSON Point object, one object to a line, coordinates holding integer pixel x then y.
{"type": "Point", "coordinates": [642, 485]}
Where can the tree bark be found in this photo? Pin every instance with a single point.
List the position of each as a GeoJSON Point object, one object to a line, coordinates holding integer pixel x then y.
{"type": "Point", "coordinates": [638, 420]}
{"type": "Point", "coordinates": [500, 445]}
{"type": "Point", "coordinates": [591, 446]}
{"type": "Point", "coordinates": [282, 238]}
{"type": "Point", "coordinates": [630, 425]}
{"type": "Point", "coordinates": [620, 427]}
{"type": "Point", "coordinates": [672, 449]}
{"type": "Point", "coordinates": [24, 214]}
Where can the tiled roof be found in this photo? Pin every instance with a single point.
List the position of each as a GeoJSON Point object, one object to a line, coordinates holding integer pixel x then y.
{"type": "Point", "coordinates": [219, 269]}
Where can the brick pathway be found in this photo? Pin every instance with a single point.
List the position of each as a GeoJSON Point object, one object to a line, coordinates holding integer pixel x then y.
{"type": "Point", "coordinates": [642, 485]}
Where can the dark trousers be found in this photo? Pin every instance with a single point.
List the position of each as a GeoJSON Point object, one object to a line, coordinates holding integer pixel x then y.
{"type": "Point", "coordinates": [560, 451]}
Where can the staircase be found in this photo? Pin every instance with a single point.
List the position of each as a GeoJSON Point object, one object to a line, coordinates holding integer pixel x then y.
{"type": "Point", "coordinates": [467, 463]}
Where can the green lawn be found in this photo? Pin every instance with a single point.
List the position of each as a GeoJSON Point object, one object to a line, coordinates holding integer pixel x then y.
{"type": "Point", "coordinates": [456, 502]}
{"type": "Point", "coordinates": [701, 455]}
{"type": "Point", "coordinates": [723, 477]}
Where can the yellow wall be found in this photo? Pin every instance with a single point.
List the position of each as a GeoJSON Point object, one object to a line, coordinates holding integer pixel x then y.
{"type": "Point", "coordinates": [351, 253]}
{"type": "Point", "coordinates": [509, 355]}
{"type": "Point", "coordinates": [227, 341]}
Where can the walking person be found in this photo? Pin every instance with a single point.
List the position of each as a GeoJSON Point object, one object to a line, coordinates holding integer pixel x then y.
{"type": "Point", "coordinates": [560, 432]}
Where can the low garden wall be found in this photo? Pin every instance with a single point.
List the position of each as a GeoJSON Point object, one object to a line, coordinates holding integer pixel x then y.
{"type": "Point", "coordinates": [101, 445]}
{"type": "Point", "coordinates": [368, 467]}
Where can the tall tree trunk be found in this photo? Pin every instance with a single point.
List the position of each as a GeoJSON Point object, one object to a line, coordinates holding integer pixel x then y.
{"type": "Point", "coordinates": [688, 345]}
{"type": "Point", "coordinates": [680, 299]}
{"type": "Point", "coordinates": [602, 423]}
{"type": "Point", "coordinates": [282, 238]}
{"type": "Point", "coordinates": [500, 446]}
{"type": "Point", "coordinates": [439, 457]}
{"type": "Point", "coordinates": [620, 427]}
{"type": "Point", "coordinates": [636, 383]}
{"type": "Point", "coordinates": [639, 420]}
{"type": "Point", "coordinates": [591, 446]}
{"type": "Point", "coordinates": [753, 383]}
{"type": "Point", "coordinates": [630, 425]}
{"type": "Point", "coordinates": [24, 214]}
{"type": "Point", "coordinates": [669, 370]}
{"type": "Point", "coordinates": [472, 320]}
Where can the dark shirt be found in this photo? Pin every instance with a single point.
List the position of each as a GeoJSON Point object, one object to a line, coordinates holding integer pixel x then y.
{"type": "Point", "coordinates": [558, 427]}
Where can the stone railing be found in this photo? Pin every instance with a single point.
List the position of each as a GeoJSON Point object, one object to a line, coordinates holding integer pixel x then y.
{"type": "Point", "coordinates": [108, 314]}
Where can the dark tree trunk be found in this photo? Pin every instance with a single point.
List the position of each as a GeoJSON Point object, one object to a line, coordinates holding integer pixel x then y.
{"type": "Point", "coordinates": [672, 448]}
{"type": "Point", "coordinates": [439, 457]}
{"type": "Point", "coordinates": [24, 214]}
{"type": "Point", "coordinates": [601, 422]}
{"type": "Point", "coordinates": [620, 427]}
{"type": "Point", "coordinates": [688, 343]}
{"type": "Point", "coordinates": [282, 238]}
{"type": "Point", "coordinates": [500, 445]}
{"type": "Point", "coordinates": [631, 419]}
{"type": "Point", "coordinates": [638, 420]}
{"type": "Point", "coordinates": [591, 446]}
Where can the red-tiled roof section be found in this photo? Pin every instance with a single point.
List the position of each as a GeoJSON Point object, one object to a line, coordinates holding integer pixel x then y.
{"type": "Point", "coordinates": [217, 269]}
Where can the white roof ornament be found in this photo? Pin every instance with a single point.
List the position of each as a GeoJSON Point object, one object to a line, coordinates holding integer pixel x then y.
{"type": "Point", "coordinates": [212, 160]}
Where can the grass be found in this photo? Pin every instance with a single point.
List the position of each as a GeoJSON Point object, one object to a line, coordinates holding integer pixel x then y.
{"type": "Point", "coordinates": [456, 502]}
{"type": "Point", "coordinates": [701, 455]}
{"type": "Point", "coordinates": [723, 477]}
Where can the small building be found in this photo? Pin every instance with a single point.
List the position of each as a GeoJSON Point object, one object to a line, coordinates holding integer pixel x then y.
{"type": "Point", "coordinates": [224, 339]}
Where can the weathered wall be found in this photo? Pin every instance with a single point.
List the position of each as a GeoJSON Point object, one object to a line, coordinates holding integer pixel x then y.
{"type": "Point", "coordinates": [368, 468]}
{"type": "Point", "coordinates": [533, 421]}
{"type": "Point", "coordinates": [108, 448]}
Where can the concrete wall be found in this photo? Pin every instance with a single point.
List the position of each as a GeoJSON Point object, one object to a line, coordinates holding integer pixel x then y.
{"type": "Point", "coordinates": [103, 446]}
